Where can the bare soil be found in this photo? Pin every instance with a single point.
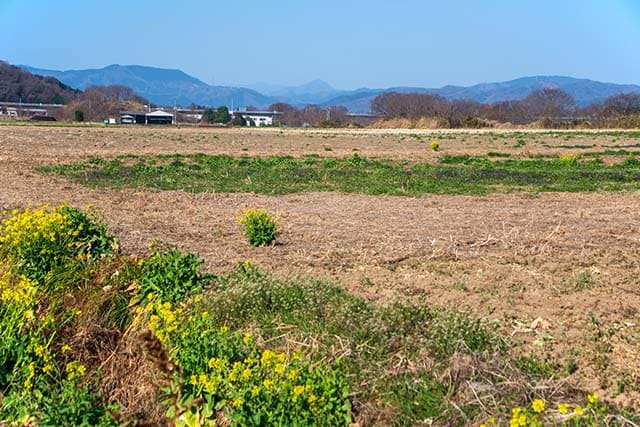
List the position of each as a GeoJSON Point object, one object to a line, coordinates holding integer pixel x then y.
{"type": "Point", "coordinates": [570, 260]}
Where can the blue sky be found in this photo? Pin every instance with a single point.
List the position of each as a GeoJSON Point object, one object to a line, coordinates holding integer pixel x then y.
{"type": "Point", "coordinates": [348, 43]}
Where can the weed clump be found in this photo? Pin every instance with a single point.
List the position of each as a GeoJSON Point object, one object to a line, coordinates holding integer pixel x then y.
{"type": "Point", "coordinates": [435, 145]}
{"type": "Point", "coordinates": [223, 373]}
{"type": "Point", "coordinates": [35, 241]}
{"type": "Point", "coordinates": [260, 227]}
{"type": "Point", "coordinates": [569, 159]}
{"type": "Point", "coordinates": [41, 382]}
{"type": "Point", "coordinates": [171, 275]}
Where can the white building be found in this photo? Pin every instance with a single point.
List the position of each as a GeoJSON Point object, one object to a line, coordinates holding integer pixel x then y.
{"type": "Point", "coordinates": [257, 118]}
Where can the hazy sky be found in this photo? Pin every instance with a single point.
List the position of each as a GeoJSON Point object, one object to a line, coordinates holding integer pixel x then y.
{"type": "Point", "coordinates": [348, 43]}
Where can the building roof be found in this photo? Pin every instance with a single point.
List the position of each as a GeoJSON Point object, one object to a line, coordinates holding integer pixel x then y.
{"type": "Point", "coordinates": [258, 113]}
{"type": "Point", "coordinates": [159, 113]}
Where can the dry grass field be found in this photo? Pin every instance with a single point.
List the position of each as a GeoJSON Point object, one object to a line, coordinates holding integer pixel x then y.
{"type": "Point", "coordinates": [558, 270]}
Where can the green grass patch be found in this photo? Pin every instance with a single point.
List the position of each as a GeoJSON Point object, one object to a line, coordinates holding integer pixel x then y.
{"type": "Point", "coordinates": [463, 174]}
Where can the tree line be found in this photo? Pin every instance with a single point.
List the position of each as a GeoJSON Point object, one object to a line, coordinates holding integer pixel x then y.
{"type": "Point", "coordinates": [546, 105]}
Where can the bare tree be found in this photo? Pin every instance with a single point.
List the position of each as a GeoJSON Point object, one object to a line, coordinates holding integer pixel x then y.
{"type": "Point", "coordinates": [410, 105]}
{"type": "Point", "coordinates": [623, 104]}
{"type": "Point", "coordinates": [548, 104]}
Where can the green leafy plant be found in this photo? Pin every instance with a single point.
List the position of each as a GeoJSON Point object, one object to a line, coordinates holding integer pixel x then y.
{"type": "Point", "coordinates": [172, 275]}
{"type": "Point", "coordinates": [35, 241]}
{"type": "Point", "coordinates": [228, 374]}
{"type": "Point", "coordinates": [260, 227]}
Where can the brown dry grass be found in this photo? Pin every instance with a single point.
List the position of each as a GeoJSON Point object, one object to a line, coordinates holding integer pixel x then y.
{"type": "Point", "coordinates": [564, 258]}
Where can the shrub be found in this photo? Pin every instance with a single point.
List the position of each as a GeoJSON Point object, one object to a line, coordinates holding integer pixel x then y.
{"type": "Point", "coordinates": [230, 375]}
{"type": "Point", "coordinates": [40, 384]}
{"type": "Point", "coordinates": [435, 145]}
{"type": "Point", "coordinates": [35, 241]}
{"type": "Point", "coordinates": [172, 275]}
{"type": "Point", "coordinates": [259, 226]}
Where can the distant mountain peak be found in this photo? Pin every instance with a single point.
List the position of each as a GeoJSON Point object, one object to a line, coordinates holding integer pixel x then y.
{"type": "Point", "coordinates": [318, 84]}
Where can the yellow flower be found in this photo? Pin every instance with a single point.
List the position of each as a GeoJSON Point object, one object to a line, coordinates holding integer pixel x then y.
{"type": "Point", "coordinates": [538, 406]}
{"type": "Point", "coordinates": [578, 411]}
{"type": "Point", "coordinates": [592, 398]}
{"type": "Point", "coordinates": [216, 363]}
{"type": "Point", "coordinates": [563, 408]}
{"type": "Point", "coordinates": [193, 380]}
{"type": "Point", "coordinates": [32, 371]}
{"type": "Point", "coordinates": [255, 391]}
{"type": "Point", "coordinates": [267, 384]}
{"type": "Point", "coordinates": [65, 348]}
{"type": "Point", "coordinates": [39, 350]}
{"type": "Point", "coordinates": [238, 402]}
{"type": "Point", "coordinates": [246, 374]}
{"type": "Point", "coordinates": [75, 369]}
{"type": "Point", "coordinates": [246, 339]}
{"type": "Point", "coordinates": [279, 369]}
{"type": "Point", "coordinates": [210, 387]}
{"type": "Point", "coordinates": [297, 391]}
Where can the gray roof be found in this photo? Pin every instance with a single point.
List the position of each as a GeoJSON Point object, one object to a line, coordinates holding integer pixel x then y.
{"type": "Point", "coordinates": [159, 113]}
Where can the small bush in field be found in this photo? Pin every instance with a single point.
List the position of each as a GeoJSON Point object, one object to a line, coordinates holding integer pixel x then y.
{"type": "Point", "coordinates": [172, 275]}
{"type": "Point", "coordinates": [260, 227]}
{"type": "Point", "coordinates": [435, 145]}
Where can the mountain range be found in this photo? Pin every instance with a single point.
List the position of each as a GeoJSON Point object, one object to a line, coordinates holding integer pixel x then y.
{"type": "Point", "coordinates": [159, 85]}
{"type": "Point", "coordinates": [171, 87]}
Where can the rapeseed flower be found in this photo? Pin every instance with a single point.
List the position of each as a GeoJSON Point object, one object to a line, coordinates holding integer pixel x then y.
{"type": "Point", "coordinates": [538, 406]}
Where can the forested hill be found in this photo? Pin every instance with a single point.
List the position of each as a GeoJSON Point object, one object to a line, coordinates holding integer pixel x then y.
{"type": "Point", "coordinates": [17, 84]}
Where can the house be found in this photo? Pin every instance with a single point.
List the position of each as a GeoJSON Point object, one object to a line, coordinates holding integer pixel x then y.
{"type": "Point", "coordinates": [127, 119]}
{"type": "Point", "coordinates": [133, 117]}
{"type": "Point", "coordinates": [157, 117]}
{"type": "Point", "coordinates": [257, 118]}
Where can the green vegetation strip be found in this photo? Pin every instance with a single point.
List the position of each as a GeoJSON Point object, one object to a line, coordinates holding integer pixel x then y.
{"type": "Point", "coordinates": [355, 174]}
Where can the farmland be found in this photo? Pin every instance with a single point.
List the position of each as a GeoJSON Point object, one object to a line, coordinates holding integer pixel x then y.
{"type": "Point", "coordinates": [534, 233]}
